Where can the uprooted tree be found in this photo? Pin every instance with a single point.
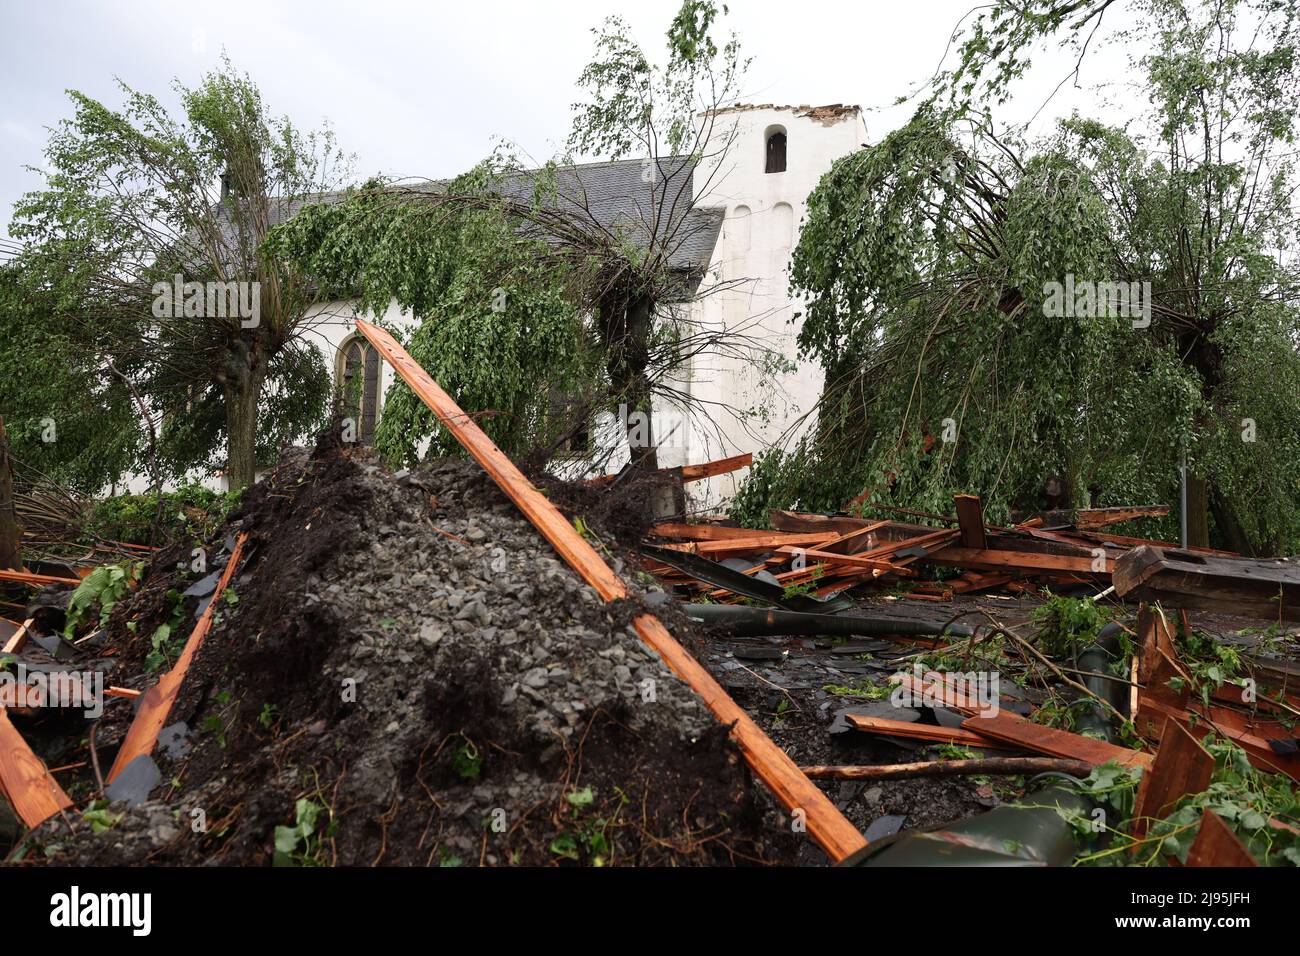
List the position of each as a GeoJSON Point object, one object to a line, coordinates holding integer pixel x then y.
{"type": "Point", "coordinates": [135, 198]}
{"type": "Point", "coordinates": [533, 284]}
{"type": "Point", "coordinates": [962, 287]}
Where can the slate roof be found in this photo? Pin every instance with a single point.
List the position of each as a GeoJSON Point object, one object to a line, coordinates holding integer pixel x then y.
{"type": "Point", "coordinates": [625, 196]}
{"type": "Point", "coordinates": [621, 196]}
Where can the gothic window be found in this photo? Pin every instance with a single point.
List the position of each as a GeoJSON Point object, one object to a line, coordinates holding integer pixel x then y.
{"type": "Point", "coordinates": [358, 382]}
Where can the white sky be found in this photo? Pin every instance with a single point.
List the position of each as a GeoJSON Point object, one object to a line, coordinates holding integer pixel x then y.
{"type": "Point", "coordinates": [424, 89]}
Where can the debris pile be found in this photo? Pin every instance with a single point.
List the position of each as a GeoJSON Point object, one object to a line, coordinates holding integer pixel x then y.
{"type": "Point", "coordinates": [402, 671]}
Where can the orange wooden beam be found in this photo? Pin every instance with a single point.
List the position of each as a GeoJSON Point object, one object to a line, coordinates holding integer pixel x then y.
{"type": "Point", "coordinates": [157, 701]}
{"type": "Point", "coordinates": [825, 823]}
{"type": "Point", "coordinates": [27, 783]}
{"type": "Point", "coordinates": [36, 580]}
{"type": "Point", "coordinates": [1017, 731]}
{"type": "Point", "coordinates": [707, 469]}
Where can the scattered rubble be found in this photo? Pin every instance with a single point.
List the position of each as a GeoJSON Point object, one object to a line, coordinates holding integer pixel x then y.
{"type": "Point", "coordinates": [437, 667]}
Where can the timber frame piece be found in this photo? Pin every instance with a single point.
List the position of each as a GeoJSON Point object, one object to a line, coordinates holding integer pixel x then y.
{"type": "Point", "coordinates": [825, 823]}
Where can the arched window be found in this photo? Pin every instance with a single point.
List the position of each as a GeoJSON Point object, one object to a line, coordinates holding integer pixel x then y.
{"type": "Point", "coordinates": [775, 150]}
{"type": "Point", "coordinates": [358, 386]}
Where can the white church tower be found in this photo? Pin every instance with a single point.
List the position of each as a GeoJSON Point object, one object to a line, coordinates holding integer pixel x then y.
{"type": "Point", "coordinates": [774, 160]}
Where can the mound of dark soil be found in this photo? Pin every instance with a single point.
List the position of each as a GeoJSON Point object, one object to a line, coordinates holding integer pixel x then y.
{"type": "Point", "coordinates": [408, 674]}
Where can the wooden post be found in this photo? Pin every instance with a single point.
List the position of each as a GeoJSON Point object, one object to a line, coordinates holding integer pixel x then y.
{"type": "Point", "coordinates": [10, 558]}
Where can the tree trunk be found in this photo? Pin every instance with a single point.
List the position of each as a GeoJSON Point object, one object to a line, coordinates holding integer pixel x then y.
{"type": "Point", "coordinates": [10, 558]}
{"type": "Point", "coordinates": [1230, 529]}
{"type": "Point", "coordinates": [1198, 511]}
{"type": "Point", "coordinates": [242, 395]}
{"type": "Point", "coordinates": [627, 354]}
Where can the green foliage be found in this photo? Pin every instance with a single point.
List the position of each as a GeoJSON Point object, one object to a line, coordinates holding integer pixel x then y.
{"type": "Point", "coordinates": [501, 330]}
{"type": "Point", "coordinates": [592, 836]}
{"type": "Point", "coordinates": [267, 717]}
{"type": "Point", "coordinates": [132, 198]}
{"type": "Point", "coordinates": [189, 511]}
{"type": "Point", "coordinates": [101, 589]}
{"type": "Point", "coordinates": [100, 818]}
{"type": "Point", "coordinates": [1210, 664]}
{"type": "Point", "coordinates": [168, 638]}
{"type": "Point", "coordinates": [1247, 800]}
{"type": "Point", "coordinates": [64, 416]}
{"type": "Point", "coordinates": [1068, 624]}
{"type": "Point", "coordinates": [863, 690]}
{"type": "Point", "coordinates": [466, 760]}
{"type": "Point", "coordinates": [301, 844]}
{"type": "Point", "coordinates": [635, 106]}
{"type": "Point", "coordinates": [926, 262]}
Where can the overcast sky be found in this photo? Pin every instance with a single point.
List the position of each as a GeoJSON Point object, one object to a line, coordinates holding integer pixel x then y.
{"type": "Point", "coordinates": [425, 89]}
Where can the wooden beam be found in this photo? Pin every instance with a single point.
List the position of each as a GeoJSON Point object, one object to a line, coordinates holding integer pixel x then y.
{"type": "Point", "coordinates": [739, 546]}
{"type": "Point", "coordinates": [1089, 519]}
{"type": "Point", "coordinates": [686, 473]}
{"type": "Point", "coordinates": [36, 580]}
{"type": "Point", "coordinates": [35, 795]}
{"type": "Point", "coordinates": [1013, 766]}
{"type": "Point", "coordinates": [711, 469]}
{"type": "Point", "coordinates": [1027, 735]}
{"type": "Point", "coordinates": [960, 736]}
{"type": "Point", "coordinates": [704, 532]}
{"type": "Point", "coordinates": [1182, 767]}
{"type": "Point", "coordinates": [1267, 588]}
{"type": "Point", "coordinates": [157, 701]}
{"type": "Point", "coordinates": [825, 823]}
{"type": "Point", "coordinates": [849, 560]}
{"type": "Point", "coordinates": [1217, 845]}
{"type": "Point", "coordinates": [1025, 561]}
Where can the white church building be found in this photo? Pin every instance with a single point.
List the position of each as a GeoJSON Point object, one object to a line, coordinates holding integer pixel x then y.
{"type": "Point", "coordinates": [750, 200]}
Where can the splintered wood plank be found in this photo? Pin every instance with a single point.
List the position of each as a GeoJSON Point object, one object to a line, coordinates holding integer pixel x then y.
{"type": "Point", "coordinates": [944, 691]}
{"type": "Point", "coordinates": [1090, 518]}
{"type": "Point", "coordinates": [711, 469]}
{"type": "Point", "coordinates": [1264, 587]}
{"type": "Point", "coordinates": [1199, 721]}
{"type": "Point", "coordinates": [1217, 845]}
{"type": "Point", "coordinates": [1027, 561]}
{"type": "Point", "coordinates": [970, 519]}
{"type": "Point", "coordinates": [1013, 729]}
{"type": "Point", "coordinates": [825, 823]}
{"type": "Point", "coordinates": [850, 560]}
{"type": "Point", "coordinates": [19, 638]}
{"type": "Point", "coordinates": [36, 796]}
{"type": "Point", "coordinates": [156, 703]}
{"type": "Point", "coordinates": [704, 532]}
{"type": "Point", "coordinates": [36, 580]}
{"type": "Point", "coordinates": [929, 732]}
{"type": "Point", "coordinates": [686, 473]}
{"type": "Point", "coordinates": [1182, 766]}
{"type": "Point", "coordinates": [739, 546]}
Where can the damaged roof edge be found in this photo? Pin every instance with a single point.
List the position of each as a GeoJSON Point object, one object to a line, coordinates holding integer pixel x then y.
{"type": "Point", "coordinates": [827, 115]}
